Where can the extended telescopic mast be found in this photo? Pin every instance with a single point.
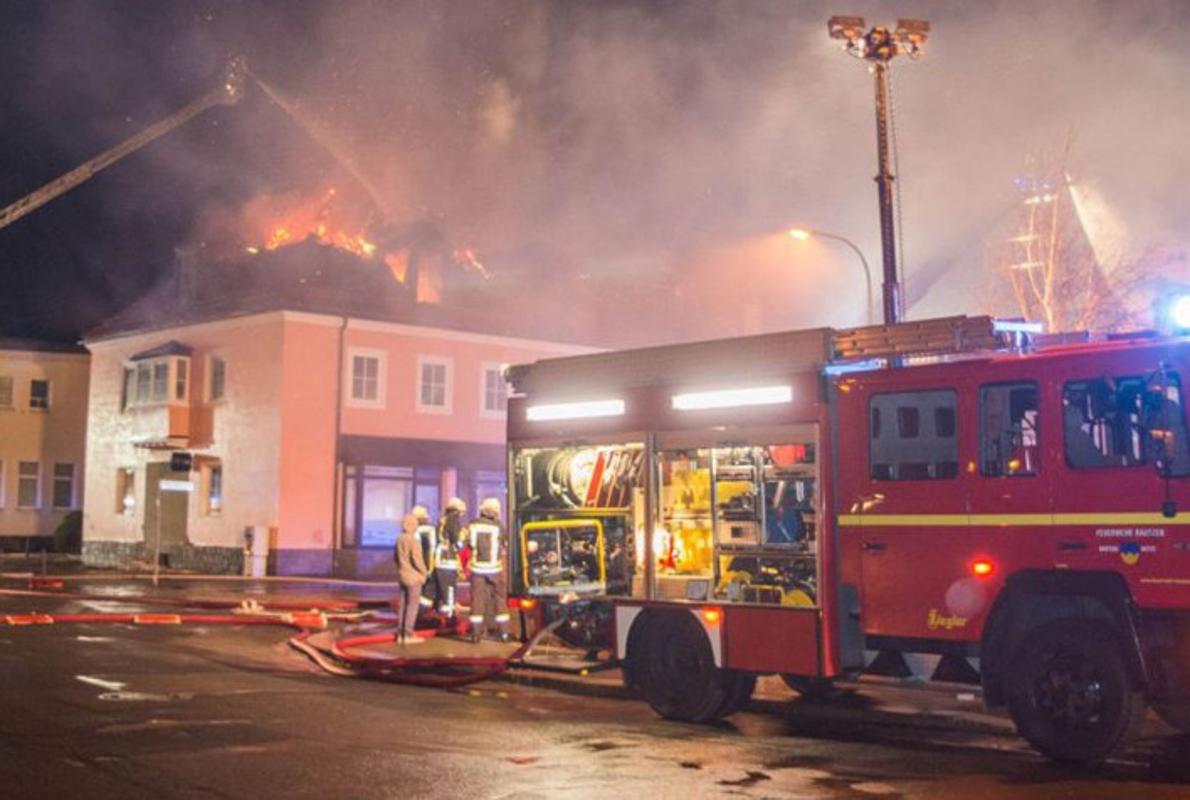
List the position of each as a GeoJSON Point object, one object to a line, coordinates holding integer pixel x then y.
{"type": "Point", "coordinates": [879, 46]}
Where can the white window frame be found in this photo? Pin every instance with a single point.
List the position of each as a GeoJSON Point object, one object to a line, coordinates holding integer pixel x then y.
{"type": "Point", "coordinates": [54, 479]}
{"type": "Point", "coordinates": [12, 392]}
{"type": "Point", "coordinates": [381, 378]}
{"type": "Point", "coordinates": [132, 400]}
{"type": "Point", "coordinates": [448, 389]}
{"type": "Point", "coordinates": [187, 376]}
{"type": "Point", "coordinates": [37, 501]}
{"type": "Point", "coordinates": [484, 411]}
{"type": "Point", "coordinates": [49, 395]}
{"type": "Point", "coordinates": [209, 388]}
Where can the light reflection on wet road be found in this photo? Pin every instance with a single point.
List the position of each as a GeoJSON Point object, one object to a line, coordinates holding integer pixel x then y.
{"type": "Point", "coordinates": [231, 712]}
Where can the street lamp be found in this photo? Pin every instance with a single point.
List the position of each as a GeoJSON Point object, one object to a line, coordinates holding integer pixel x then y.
{"type": "Point", "coordinates": [802, 234]}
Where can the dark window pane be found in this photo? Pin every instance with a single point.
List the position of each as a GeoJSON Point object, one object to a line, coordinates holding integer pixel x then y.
{"type": "Point", "coordinates": [908, 422]}
{"type": "Point", "coordinates": [944, 421]}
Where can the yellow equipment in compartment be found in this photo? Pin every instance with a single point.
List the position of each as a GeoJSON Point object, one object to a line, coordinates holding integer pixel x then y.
{"type": "Point", "coordinates": [791, 596]}
{"type": "Point", "coordinates": [559, 527]}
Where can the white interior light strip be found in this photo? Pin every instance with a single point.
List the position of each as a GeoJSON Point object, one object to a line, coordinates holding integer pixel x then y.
{"type": "Point", "coordinates": [730, 398]}
{"type": "Point", "coordinates": [589, 408]}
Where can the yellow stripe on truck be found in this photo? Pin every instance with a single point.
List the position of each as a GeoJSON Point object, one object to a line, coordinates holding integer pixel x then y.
{"type": "Point", "coordinates": [1026, 520]}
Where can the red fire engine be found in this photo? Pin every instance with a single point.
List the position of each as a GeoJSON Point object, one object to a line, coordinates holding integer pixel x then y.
{"type": "Point", "coordinates": [921, 499]}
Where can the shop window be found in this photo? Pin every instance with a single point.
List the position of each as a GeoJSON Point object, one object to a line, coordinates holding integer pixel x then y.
{"type": "Point", "coordinates": [211, 486]}
{"type": "Point", "coordinates": [489, 484]}
{"type": "Point", "coordinates": [350, 476]}
{"type": "Point", "coordinates": [5, 391]}
{"type": "Point", "coordinates": [63, 489]}
{"type": "Point", "coordinates": [28, 484]}
{"type": "Point", "coordinates": [925, 444]}
{"type": "Point", "coordinates": [433, 387]}
{"type": "Point", "coordinates": [126, 490]}
{"type": "Point", "coordinates": [387, 496]}
{"type": "Point", "coordinates": [217, 381]}
{"type": "Point", "coordinates": [1008, 438]}
{"type": "Point", "coordinates": [1125, 422]}
{"type": "Point", "coordinates": [39, 395]}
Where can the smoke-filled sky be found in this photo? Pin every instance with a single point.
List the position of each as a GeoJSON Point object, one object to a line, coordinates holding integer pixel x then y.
{"type": "Point", "coordinates": [588, 145]}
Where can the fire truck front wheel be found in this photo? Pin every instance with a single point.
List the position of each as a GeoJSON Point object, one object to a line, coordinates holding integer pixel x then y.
{"type": "Point", "coordinates": [677, 675]}
{"type": "Point", "coordinates": [1070, 692]}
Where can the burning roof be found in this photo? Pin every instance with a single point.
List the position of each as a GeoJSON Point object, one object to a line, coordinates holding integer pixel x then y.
{"type": "Point", "coordinates": [307, 276]}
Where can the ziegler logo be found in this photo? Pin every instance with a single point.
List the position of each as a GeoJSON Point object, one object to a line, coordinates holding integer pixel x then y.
{"type": "Point", "coordinates": [936, 620]}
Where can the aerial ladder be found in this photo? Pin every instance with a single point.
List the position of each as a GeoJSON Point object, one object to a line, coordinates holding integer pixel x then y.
{"type": "Point", "coordinates": [227, 93]}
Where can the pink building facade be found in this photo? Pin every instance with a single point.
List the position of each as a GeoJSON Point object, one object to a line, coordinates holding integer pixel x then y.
{"type": "Point", "coordinates": [315, 431]}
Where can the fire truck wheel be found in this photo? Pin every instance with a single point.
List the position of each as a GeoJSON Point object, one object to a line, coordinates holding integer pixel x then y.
{"type": "Point", "coordinates": [1070, 694]}
{"type": "Point", "coordinates": [677, 671]}
{"type": "Point", "coordinates": [816, 689]}
{"type": "Point", "coordinates": [740, 686]}
{"type": "Point", "coordinates": [1175, 714]}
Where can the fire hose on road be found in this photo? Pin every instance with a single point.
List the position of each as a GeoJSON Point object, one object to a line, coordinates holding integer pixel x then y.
{"type": "Point", "coordinates": [342, 657]}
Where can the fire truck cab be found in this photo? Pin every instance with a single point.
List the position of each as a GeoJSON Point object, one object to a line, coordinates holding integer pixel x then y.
{"type": "Point", "coordinates": [928, 499]}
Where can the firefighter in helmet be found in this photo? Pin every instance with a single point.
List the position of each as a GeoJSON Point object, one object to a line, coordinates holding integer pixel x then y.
{"type": "Point", "coordinates": [446, 556]}
{"type": "Point", "coordinates": [427, 537]}
{"type": "Point", "coordinates": [489, 603]}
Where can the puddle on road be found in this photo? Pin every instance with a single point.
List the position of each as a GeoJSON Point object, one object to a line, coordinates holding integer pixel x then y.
{"type": "Point", "coordinates": [95, 638]}
{"type": "Point", "coordinates": [751, 778]}
{"type": "Point", "coordinates": [100, 682]}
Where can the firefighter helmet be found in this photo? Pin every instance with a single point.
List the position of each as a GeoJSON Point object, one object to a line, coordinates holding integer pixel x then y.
{"type": "Point", "coordinates": [456, 504]}
{"type": "Point", "coordinates": [421, 512]}
{"type": "Point", "coordinates": [490, 507]}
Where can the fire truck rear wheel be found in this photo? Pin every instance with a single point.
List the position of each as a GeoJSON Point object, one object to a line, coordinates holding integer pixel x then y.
{"type": "Point", "coordinates": [1070, 693]}
{"type": "Point", "coordinates": [740, 686]}
{"type": "Point", "coordinates": [676, 670]}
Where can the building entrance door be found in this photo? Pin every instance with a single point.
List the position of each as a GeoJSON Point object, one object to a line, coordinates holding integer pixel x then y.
{"type": "Point", "coordinates": [175, 507]}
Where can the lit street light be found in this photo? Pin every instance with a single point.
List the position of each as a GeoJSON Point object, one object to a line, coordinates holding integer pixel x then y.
{"type": "Point", "coordinates": [802, 234]}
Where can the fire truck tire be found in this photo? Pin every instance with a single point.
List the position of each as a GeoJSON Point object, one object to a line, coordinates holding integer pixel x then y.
{"type": "Point", "coordinates": [1175, 714]}
{"type": "Point", "coordinates": [816, 689]}
{"type": "Point", "coordinates": [677, 673]}
{"type": "Point", "coordinates": [1070, 693]}
{"type": "Point", "coordinates": [740, 686]}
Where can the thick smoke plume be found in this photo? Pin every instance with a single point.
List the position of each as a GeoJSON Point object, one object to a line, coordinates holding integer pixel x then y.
{"type": "Point", "coordinates": [638, 157]}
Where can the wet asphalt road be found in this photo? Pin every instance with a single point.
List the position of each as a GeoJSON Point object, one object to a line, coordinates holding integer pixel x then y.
{"type": "Point", "coordinates": [115, 711]}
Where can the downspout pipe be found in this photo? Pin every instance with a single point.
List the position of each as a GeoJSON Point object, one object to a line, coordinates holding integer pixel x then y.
{"type": "Point", "coordinates": [336, 490]}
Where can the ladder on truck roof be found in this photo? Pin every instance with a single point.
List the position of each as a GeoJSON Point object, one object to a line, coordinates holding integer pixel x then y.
{"type": "Point", "coordinates": [961, 335]}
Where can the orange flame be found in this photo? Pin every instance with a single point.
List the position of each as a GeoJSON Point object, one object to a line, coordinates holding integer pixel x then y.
{"type": "Point", "coordinates": [319, 220]}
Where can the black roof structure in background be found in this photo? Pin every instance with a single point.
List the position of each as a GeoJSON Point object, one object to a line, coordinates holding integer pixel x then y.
{"type": "Point", "coordinates": [313, 278]}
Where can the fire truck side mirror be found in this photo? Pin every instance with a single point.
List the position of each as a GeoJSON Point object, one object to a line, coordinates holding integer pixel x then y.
{"type": "Point", "coordinates": [1169, 508]}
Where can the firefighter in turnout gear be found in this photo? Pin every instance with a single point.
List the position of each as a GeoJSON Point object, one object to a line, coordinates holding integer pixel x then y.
{"type": "Point", "coordinates": [427, 536]}
{"type": "Point", "coordinates": [489, 598]}
{"type": "Point", "coordinates": [446, 556]}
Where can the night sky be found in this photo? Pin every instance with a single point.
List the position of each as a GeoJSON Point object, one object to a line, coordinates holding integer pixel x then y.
{"type": "Point", "coordinates": [583, 144]}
